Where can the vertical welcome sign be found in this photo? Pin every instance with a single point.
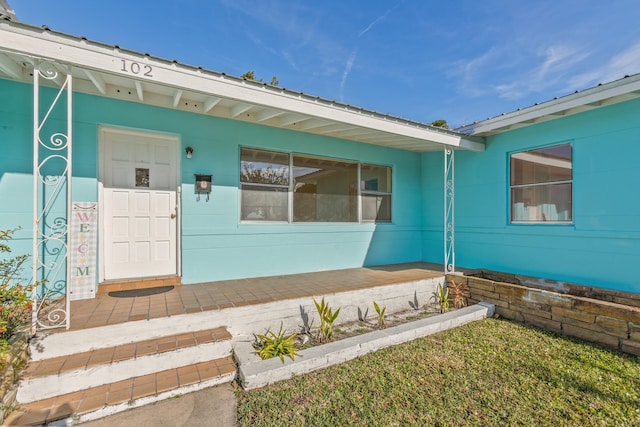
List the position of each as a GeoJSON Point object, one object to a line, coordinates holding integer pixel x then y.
{"type": "Point", "coordinates": [83, 250]}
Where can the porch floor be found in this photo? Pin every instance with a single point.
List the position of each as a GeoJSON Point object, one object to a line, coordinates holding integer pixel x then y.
{"type": "Point", "coordinates": [105, 310]}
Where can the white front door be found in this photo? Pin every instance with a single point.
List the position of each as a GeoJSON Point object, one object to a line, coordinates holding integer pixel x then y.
{"type": "Point", "coordinates": [139, 178]}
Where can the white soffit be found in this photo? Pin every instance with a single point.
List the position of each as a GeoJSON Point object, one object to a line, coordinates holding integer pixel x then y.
{"type": "Point", "coordinates": [599, 96]}
{"type": "Point", "coordinates": [109, 71]}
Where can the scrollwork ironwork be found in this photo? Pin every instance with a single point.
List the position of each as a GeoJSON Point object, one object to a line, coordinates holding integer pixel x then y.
{"type": "Point", "coordinates": [47, 70]}
{"type": "Point", "coordinates": [449, 228]}
{"type": "Point", "coordinates": [52, 191]}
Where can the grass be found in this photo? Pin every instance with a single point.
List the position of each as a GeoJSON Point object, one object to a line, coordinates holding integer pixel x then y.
{"type": "Point", "coordinates": [491, 372]}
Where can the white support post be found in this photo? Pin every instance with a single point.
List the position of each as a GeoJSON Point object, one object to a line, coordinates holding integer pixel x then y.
{"type": "Point", "coordinates": [449, 229]}
{"type": "Point", "coordinates": [52, 194]}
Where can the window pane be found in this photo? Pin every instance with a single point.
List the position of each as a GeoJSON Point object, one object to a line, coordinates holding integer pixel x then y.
{"type": "Point", "coordinates": [264, 167]}
{"type": "Point", "coordinates": [264, 203]}
{"type": "Point", "coordinates": [549, 164]}
{"type": "Point", "coordinates": [375, 178]}
{"type": "Point", "coordinates": [376, 208]}
{"type": "Point", "coordinates": [142, 177]}
{"type": "Point", "coordinates": [325, 190]}
{"type": "Point", "coordinates": [542, 203]}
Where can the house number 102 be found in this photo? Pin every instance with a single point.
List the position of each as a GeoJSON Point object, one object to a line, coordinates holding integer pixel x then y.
{"type": "Point", "coordinates": [136, 68]}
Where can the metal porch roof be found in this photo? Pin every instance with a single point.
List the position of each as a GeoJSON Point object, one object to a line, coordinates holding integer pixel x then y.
{"type": "Point", "coordinates": [110, 71]}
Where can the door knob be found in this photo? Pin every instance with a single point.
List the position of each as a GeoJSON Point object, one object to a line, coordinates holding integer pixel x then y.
{"type": "Point", "coordinates": [173, 216]}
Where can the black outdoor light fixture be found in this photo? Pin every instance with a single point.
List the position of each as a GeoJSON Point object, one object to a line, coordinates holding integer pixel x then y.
{"type": "Point", "coordinates": [189, 151]}
{"type": "Point", "coordinates": [203, 185]}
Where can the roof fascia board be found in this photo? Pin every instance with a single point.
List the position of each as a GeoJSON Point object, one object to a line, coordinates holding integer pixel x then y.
{"type": "Point", "coordinates": [555, 107]}
{"type": "Point", "coordinates": [102, 58]}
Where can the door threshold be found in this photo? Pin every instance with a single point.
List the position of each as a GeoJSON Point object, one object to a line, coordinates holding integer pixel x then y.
{"type": "Point", "coordinates": [137, 283]}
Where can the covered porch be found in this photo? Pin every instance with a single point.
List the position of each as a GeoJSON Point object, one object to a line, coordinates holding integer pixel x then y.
{"type": "Point", "coordinates": [82, 75]}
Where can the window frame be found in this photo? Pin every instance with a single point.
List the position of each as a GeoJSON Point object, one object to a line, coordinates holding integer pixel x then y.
{"type": "Point", "coordinates": [362, 191]}
{"type": "Point", "coordinates": [547, 184]}
{"type": "Point", "coordinates": [291, 186]}
{"type": "Point", "coordinates": [286, 187]}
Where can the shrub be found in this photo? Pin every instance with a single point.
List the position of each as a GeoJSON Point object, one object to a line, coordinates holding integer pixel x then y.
{"type": "Point", "coordinates": [15, 301]}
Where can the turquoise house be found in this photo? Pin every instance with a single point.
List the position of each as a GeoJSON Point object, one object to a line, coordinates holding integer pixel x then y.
{"type": "Point", "coordinates": [118, 165]}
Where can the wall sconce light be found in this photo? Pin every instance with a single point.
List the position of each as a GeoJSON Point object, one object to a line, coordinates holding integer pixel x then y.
{"type": "Point", "coordinates": [189, 151]}
{"type": "Point", "coordinates": [203, 185]}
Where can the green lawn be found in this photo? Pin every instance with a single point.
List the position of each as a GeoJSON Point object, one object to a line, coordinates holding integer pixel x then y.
{"type": "Point", "coordinates": [491, 372]}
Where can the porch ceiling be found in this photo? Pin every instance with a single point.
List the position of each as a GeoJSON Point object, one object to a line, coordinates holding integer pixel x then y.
{"type": "Point", "coordinates": [113, 72]}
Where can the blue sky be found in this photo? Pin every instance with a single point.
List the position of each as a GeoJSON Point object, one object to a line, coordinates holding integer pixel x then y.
{"type": "Point", "coordinates": [461, 61]}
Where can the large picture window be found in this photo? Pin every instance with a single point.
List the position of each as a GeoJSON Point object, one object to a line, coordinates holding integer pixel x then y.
{"type": "Point", "coordinates": [324, 190]}
{"type": "Point", "coordinates": [541, 185]}
{"type": "Point", "coordinates": [298, 188]}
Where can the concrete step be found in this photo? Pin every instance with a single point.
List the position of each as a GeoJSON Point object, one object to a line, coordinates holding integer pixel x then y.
{"type": "Point", "coordinates": [58, 384]}
{"type": "Point", "coordinates": [49, 377]}
{"type": "Point", "coordinates": [116, 396]}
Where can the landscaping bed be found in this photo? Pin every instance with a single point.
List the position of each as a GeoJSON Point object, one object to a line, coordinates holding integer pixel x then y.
{"type": "Point", "coordinates": [368, 324]}
{"type": "Point", "coordinates": [607, 317]}
{"type": "Point", "coordinates": [254, 372]}
{"type": "Point", "coordinates": [601, 294]}
{"type": "Point", "coordinates": [491, 372]}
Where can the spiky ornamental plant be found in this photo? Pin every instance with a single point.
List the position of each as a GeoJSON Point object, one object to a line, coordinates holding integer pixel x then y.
{"type": "Point", "coordinates": [327, 319]}
{"type": "Point", "coordinates": [380, 312]}
{"type": "Point", "coordinates": [441, 297]}
{"type": "Point", "coordinates": [460, 293]}
{"type": "Point", "coordinates": [279, 345]}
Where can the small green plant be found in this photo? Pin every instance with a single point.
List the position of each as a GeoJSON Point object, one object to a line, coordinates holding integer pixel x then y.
{"type": "Point", "coordinates": [441, 297]}
{"type": "Point", "coordinates": [460, 293]}
{"type": "Point", "coordinates": [380, 313]}
{"type": "Point", "coordinates": [327, 319]}
{"type": "Point", "coordinates": [271, 344]}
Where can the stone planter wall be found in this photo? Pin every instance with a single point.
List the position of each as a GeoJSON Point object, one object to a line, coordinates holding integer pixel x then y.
{"type": "Point", "coordinates": [9, 375]}
{"type": "Point", "coordinates": [613, 321]}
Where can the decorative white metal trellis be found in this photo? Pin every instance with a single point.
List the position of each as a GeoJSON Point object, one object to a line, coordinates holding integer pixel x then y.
{"type": "Point", "coordinates": [449, 229]}
{"type": "Point", "coordinates": [52, 124]}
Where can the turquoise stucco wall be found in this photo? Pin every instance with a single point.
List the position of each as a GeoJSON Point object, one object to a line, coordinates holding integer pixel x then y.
{"type": "Point", "coordinates": [601, 247]}
{"type": "Point", "coordinates": [215, 245]}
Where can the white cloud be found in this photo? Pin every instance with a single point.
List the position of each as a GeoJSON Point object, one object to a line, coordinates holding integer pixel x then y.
{"type": "Point", "coordinates": [293, 33]}
{"type": "Point", "coordinates": [557, 61]}
{"type": "Point", "coordinates": [558, 58]}
{"type": "Point", "coordinates": [376, 21]}
{"type": "Point", "coordinates": [347, 71]}
{"type": "Point", "coordinates": [471, 70]}
{"type": "Point", "coordinates": [624, 63]}
{"type": "Point", "coordinates": [290, 60]}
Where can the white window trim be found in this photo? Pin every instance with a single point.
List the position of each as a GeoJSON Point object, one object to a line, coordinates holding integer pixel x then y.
{"type": "Point", "coordinates": [550, 183]}
{"type": "Point", "coordinates": [290, 187]}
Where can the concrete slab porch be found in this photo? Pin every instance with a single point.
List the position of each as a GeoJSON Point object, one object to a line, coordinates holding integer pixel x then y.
{"type": "Point", "coordinates": [196, 298]}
